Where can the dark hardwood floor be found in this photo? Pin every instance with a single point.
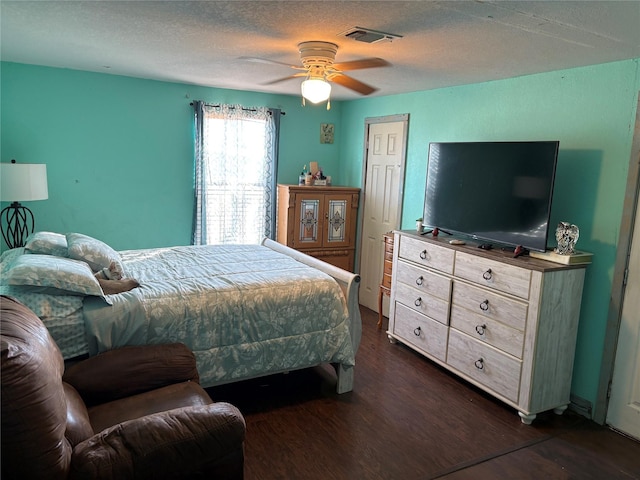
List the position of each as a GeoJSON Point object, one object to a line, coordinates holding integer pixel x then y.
{"type": "Point", "coordinates": [409, 419]}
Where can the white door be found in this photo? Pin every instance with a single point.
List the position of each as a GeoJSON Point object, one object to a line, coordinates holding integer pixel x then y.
{"type": "Point", "coordinates": [384, 175]}
{"type": "Point", "coordinates": [624, 405]}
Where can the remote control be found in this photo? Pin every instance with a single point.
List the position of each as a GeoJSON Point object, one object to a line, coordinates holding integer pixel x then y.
{"type": "Point", "coordinates": [457, 242]}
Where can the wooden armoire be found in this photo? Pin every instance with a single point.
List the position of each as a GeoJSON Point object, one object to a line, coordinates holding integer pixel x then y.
{"type": "Point", "coordinates": [319, 221]}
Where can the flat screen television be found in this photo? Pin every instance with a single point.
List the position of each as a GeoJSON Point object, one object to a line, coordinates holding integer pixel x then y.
{"type": "Point", "coordinates": [497, 192]}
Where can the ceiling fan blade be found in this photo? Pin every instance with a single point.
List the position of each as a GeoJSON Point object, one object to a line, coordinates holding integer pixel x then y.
{"type": "Point", "coordinates": [359, 64]}
{"type": "Point", "coordinates": [301, 74]}
{"type": "Point", "coordinates": [271, 62]}
{"type": "Point", "coordinates": [352, 83]}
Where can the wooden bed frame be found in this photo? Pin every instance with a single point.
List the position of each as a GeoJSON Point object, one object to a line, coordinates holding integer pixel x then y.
{"type": "Point", "coordinates": [349, 283]}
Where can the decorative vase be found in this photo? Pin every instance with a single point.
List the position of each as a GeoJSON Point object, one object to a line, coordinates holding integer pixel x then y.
{"type": "Point", "coordinates": [567, 235]}
{"type": "Point", "coordinates": [419, 225]}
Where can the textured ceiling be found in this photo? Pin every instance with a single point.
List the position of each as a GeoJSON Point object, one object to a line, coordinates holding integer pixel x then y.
{"type": "Point", "coordinates": [444, 43]}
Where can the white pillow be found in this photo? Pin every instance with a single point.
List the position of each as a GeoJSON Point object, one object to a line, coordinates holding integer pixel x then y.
{"type": "Point", "coordinates": [47, 243]}
{"type": "Point", "coordinates": [96, 254]}
{"type": "Point", "coordinates": [53, 275]}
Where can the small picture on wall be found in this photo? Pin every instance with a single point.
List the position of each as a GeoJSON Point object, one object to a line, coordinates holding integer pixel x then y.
{"type": "Point", "coordinates": [326, 133]}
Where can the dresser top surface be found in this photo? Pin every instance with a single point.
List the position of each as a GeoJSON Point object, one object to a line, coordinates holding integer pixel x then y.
{"type": "Point", "coordinates": [502, 255]}
{"type": "Point", "coordinates": [319, 188]}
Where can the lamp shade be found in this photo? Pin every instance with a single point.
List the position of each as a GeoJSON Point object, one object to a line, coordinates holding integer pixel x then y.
{"type": "Point", "coordinates": [20, 182]}
{"type": "Point", "coordinates": [316, 90]}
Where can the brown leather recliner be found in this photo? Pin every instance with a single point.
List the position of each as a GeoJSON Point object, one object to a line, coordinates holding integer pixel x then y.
{"type": "Point", "coordinates": [134, 412]}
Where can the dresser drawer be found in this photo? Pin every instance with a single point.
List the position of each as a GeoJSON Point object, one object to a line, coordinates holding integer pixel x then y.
{"type": "Point", "coordinates": [420, 331]}
{"type": "Point", "coordinates": [427, 254]}
{"type": "Point", "coordinates": [492, 332]}
{"type": "Point", "coordinates": [423, 280]}
{"type": "Point", "coordinates": [492, 274]}
{"type": "Point", "coordinates": [489, 305]}
{"type": "Point", "coordinates": [436, 308]}
{"type": "Point", "coordinates": [484, 364]}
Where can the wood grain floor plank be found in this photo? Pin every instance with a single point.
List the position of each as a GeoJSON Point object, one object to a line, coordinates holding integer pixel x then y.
{"type": "Point", "coordinates": [408, 419]}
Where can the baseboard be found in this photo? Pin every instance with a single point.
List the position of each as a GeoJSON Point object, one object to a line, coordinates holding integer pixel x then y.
{"type": "Point", "coordinates": [580, 406]}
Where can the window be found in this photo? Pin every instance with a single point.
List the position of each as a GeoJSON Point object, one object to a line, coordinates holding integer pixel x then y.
{"type": "Point", "coordinates": [235, 172]}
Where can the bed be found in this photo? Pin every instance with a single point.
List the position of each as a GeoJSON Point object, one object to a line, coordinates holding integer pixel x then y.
{"type": "Point", "coordinates": [245, 310]}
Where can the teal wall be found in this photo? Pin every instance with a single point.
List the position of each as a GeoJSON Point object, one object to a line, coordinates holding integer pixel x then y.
{"type": "Point", "coordinates": [119, 154]}
{"type": "Point", "coordinates": [590, 110]}
{"type": "Point", "coordinates": [119, 150]}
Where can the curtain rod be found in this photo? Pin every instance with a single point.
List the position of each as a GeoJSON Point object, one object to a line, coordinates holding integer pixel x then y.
{"type": "Point", "coordinates": [233, 108]}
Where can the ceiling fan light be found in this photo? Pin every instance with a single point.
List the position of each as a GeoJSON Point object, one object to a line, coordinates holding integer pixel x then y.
{"type": "Point", "coordinates": [316, 90]}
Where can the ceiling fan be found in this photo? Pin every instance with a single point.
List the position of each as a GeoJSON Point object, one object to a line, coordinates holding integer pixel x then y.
{"type": "Point", "coordinates": [318, 67]}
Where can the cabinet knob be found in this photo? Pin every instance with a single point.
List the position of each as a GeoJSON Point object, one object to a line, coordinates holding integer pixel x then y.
{"type": "Point", "coordinates": [484, 306]}
{"type": "Point", "coordinates": [417, 331]}
{"type": "Point", "coordinates": [423, 255]}
{"type": "Point", "coordinates": [479, 363]}
{"type": "Point", "coordinates": [487, 275]}
{"type": "Point", "coordinates": [420, 280]}
{"type": "Point", "coordinates": [418, 302]}
{"type": "Point", "coordinates": [481, 328]}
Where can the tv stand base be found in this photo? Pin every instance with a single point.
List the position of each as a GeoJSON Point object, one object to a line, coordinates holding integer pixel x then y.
{"type": "Point", "coordinates": [435, 232]}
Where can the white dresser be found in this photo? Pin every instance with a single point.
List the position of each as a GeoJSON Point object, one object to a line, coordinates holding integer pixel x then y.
{"type": "Point", "coordinates": [507, 325]}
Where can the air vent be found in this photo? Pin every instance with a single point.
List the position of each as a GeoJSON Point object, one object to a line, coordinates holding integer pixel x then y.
{"type": "Point", "coordinates": [367, 35]}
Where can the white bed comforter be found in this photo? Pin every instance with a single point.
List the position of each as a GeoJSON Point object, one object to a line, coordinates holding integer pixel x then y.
{"type": "Point", "coordinates": [245, 310]}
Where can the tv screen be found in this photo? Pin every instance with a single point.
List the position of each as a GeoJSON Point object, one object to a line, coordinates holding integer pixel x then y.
{"type": "Point", "coordinates": [493, 191]}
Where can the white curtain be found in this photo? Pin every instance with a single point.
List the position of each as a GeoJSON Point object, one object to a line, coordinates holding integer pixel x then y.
{"type": "Point", "coordinates": [235, 173]}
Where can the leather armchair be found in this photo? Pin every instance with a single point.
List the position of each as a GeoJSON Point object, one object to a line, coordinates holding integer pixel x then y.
{"type": "Point", "coordinates": [134, 412]}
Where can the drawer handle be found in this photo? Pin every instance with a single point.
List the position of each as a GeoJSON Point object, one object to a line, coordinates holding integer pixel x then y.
{"type": "Point", "coordinates": [487, 275]}
{"type": "Point", "coordinates": [419, 280]}
{"type": "Point", "coordinates": [417, 331]}
{"type": "Point", "coordinates": [479, 364]}
{"type": "Point", "coordinates": [484, 306]}
{"type": "Point", "coordinates": [481, 328]}
{"type": "Point", "coordinates": [423, 255]}
{"type": "Point", "coordinates": [418, 302]}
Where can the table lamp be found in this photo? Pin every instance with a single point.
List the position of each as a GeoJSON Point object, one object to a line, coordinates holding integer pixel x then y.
{"type": "Point", "coordinates": [20, 182]}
